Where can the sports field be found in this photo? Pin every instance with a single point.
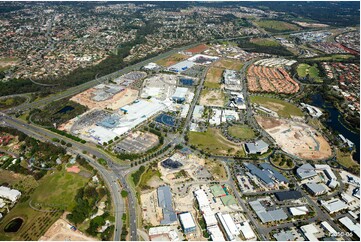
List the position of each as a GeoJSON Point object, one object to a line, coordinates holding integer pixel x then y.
{"type": "Point", "coordinates": [214, 77]}
{"type": "Point", "coordinates": [243, 132]}
{"type": "Point", "coordinates": [212, 141]}
{"type": "Point", "coordinates": [55, 192]}
{"type": "Point", "coordinates": [171, 60]}
{"type": "Point", "coordinates": [229, 64]}
{"type": "Point", "coordinates": [283, 109]}
{"type": "Point", "coordinates": [304, 69]}
{"type": "Point", "coordinates": [276, 26]}
{"type": "Point", "coordinates": [345, 159]}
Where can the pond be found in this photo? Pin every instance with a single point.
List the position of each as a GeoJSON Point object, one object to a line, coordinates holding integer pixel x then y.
{"type": "Point", "coordinates": [14, 225]}
{"type": "Point", "coordinates": [336, 122]}
{"type": "Point", "coordinates": [65, 109]}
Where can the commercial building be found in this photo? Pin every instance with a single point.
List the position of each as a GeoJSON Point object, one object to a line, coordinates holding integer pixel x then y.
{"type": "Point", "coordinates": [309, 231]}
{"type": "Point", "coordinates": [306, 171]}
{"type": "Point", "coordinates": [180, 94]}
{"type": "Point", "coordinates": [331, 231]}
{"type": "Point", "coordinates": [312, 110]}
{"type": "Point", "coordinates": [334, 205]}
{"type": "Point", "coordinates": [181, 66]}
{"type": "Point", "coordinates": [10, 194]}
{"type": "Point", "coordinates": [347, 198]}
{"type": "Point", "coordinates": [332, 179]}
{"type": "Point", "coordinates": [288, 195]}
{"type": "Point", "coordinates": [267, 216]}
{"type": "Point", "coordinates": [229, 227]}
{"type": "Point", "coordinates": [165, 202]}
{"type": "Point", "coordinates": [247, 231]}
{"type": "Point", "coordinates": [187, 222]}
{"type": "Point", "coordinates": [231, 81]}
{"type": "Point", "coordinates": [284, 236]}
{"type": "Point", "coordinates": [263, 176]}
{"type": "Point", "coordinates": [274, 173]}
{"type": "Point", "coordinates": [258, 147]}
{"type": "Point", "coordinates": [298, 211]}
{"type": "Point", "coordinates": [164, 233]}
{"type": "Point", "coordinates": [215, 233]}
{"type": "Point", "coordinates": [151, 66]}
{"type": "Point", "coordinates": [351, 226]}
{"type": "Point", "coordinates": [198, 113]}
{"type": "Point", "coordinates": [316, 189]}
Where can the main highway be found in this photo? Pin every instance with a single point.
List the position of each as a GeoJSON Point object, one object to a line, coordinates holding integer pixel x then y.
{"type": "Point", "coordinates": [110, 177]}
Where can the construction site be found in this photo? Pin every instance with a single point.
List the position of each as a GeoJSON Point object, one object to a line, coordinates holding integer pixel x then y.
{"type": "Point", "coordinates": [296, 138]}
{"type": "Point", "coordinates": [136, 142]}
{"type": "Point", "coordinates": [270, 75]}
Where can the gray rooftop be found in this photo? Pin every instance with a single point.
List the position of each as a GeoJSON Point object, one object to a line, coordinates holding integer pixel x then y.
{"type": "Point", "coordinates": [284, 236]}
{"type": "Point", "coordinates": [256, 147]}
{"type": "Point", "coordinates": [165, 202]}
{"type": "Point", "coordinates": [274, 172]}
{"type": "Point", "coordinates": [306, 171]}
{"type": "Point", "coordinates": [267, 216]}
{"type": "Point", "coordinates": [263, 175]}
{"type": "Point", "coordinates": [316, 188]}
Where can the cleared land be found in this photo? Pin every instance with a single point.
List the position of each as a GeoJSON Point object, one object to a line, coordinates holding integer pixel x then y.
{"type": "Point", "coordinates": [56, 191]}
{"type": "Point", "coordinates": [171, 60]}
{"type": "Point", "coordinates": [214, 77]}
{"type": "Point", "coordinates": [229, 64]}
{"type": "Point", "coordinates": [197, 49]}
{"type": "Point", "coordinates": [6, 63]}
{"type": "Point", "coordinates": [276, 26]}
{"type": "Point", "coordinates": [212, 141]}
{"type": "Point", "coordinates": [296, 138]}
{"type": "Point", "coordinates": [60, 231]}
{"type": "Point", "coordinates": [217, 169]}
{"type": "Point", "coordinates": [283, 109]}
{"type": "Point", "coordinates": [243, 132]}
{"type": "Point", "coordinates": [215, 98]}
{"type": "Point", "coordinates": [304, 69]}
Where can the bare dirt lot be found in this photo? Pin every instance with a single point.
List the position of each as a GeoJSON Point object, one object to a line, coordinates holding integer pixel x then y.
{"type": "Point", "coordinates": [296, 138]}
{"type": "Point", "coordinates": [117, 101]}
{"type": "Point", "coordinates": [214, 98]}
{"type": "Point", "coordinates": [60, 231]}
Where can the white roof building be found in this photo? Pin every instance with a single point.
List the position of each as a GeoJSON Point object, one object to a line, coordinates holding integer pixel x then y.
{"type": "Point", "coordinates": [187, 221]}
{"type": "Point", "coordinates": [10, 194]}
{"type": "Point", "coordinates": [334, 205]}
{"type": "Point", "coordinates": [247, 231]}
{"type": "Point", "coordinates": [352, 227]}
{"type": "Point", "coordinates": [297, 211]}
{"type": "Point", "coordinates": [329, 228]}
{"type": "Point", "coordinates": [227, 226]}
{"type": "Point", "coordinates": [347, 198]}
{"type": "Point", "coordinates": [309, 231]}
{"type": "Point", "coordinates": [216, 233]}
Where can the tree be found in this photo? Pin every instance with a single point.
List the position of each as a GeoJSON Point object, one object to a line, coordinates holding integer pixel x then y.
{"type": "Point", "coordinates": [124, 193]}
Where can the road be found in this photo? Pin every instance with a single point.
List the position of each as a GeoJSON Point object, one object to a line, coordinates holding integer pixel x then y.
{"type": "Point", "coordinates": [109, 176]}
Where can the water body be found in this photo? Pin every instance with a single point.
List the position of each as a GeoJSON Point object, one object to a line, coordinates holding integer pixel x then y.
{"type": "Point", "coordinates": [336, 122]}
{"type": "Point", "coordinates": [65, 109]}
{"type": "Point", "coordinates": [14, 225]}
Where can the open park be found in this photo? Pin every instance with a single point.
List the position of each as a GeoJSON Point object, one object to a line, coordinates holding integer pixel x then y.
{"type": "Point", "coordinates": [229, 64]}
{"type": "Point", "coordinates": [275, 26]}
{"type": "Point", "coordinates": [241, 131]}
{"type": "Point", "coordinates": [171, 60]}
{"type": "Point", "coordinates": [312, 71]}
{"type": "Point", "coordinates": [213, 142]}
{"type": "Point", "coordinates": [282, 108]}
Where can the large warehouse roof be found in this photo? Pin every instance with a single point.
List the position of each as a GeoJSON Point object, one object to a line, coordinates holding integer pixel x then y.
{"type": "Point", "coordinates": [187, 220]}
{"type": "Point", "coordinates": [267, 216]}
{"type": "Point", "coordinates": [259, 173]}
{"type": "Point", "coordinates": [288, 195]}
{"type": "Point", "coordinates": [306, 171]}
{"type": "Point", "coordinates": [165, 202]}
{"type": "Point", "coordinates": [274, 172]}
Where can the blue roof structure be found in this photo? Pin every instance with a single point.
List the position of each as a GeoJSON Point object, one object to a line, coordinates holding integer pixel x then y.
{"type": "Point", "coordinates": [186, 81]}
{"type": "Point", "coordinates": [274, 172]}
{"type": "Point", "coordinates": [165, 202]}
{"type": "Point", "coordinates": [109, 122]}
{"type": "Point", "coordinates": [165, 119]}
{"type": "Point", "coordinates": [263, 175]}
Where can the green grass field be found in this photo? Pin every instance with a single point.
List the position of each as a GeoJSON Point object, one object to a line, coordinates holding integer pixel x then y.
{"type": "Point", "coordinates": [229, 64]}
{"type": "Point", "coordinates": [55, 190]}
{"type": "Point", "coordinates": [213, 78]}
{"type": "Point", "coordinates": [275, 26]}
{"type": "Point", "coordinates": [337, 57]}
{"type": "Point", "coordinates": [146, 176]}
{"type": "Point", "coordinates": [284, 109]}
{"type": "Point", "coordinates": [243, 132]}
{"type": "Point", "coordinates": [312, 71]}
{"type": "Point", "coordinates": [171, 60]}
{"type": "Point", "coordinates": [345, 159]}
{"type": "Point", "coordinates": [212, 141]}
{"type": "Point", "coordinates": [265, 42]}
